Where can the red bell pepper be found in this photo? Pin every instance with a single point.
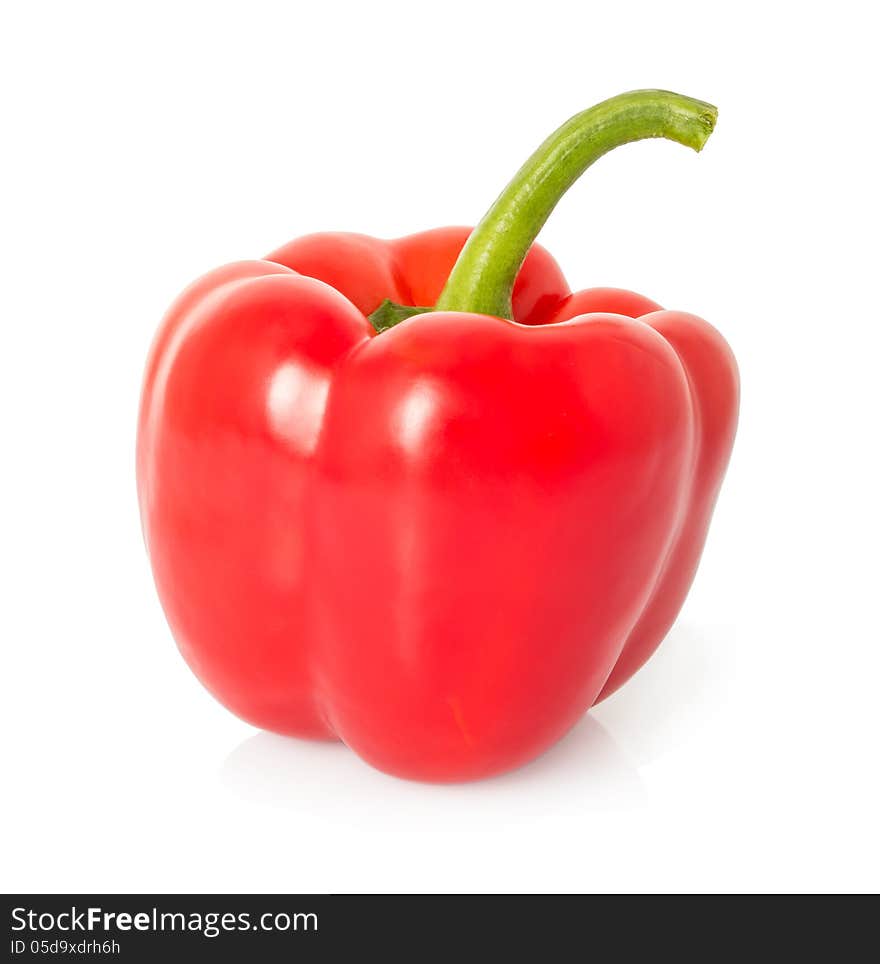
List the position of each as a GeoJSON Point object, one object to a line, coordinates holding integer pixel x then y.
{"type": "Point", "coordinates": [418, 496]}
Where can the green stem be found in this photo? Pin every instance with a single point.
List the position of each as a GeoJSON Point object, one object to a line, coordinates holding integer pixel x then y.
{"type": "Point", "coordinates": [482, 279]}
{"type": "Point", "coordinates": [389, 314]}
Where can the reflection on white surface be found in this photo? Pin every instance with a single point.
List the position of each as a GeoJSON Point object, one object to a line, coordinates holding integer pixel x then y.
{"type": "Point", "coordinates": [585, 771]}
{"type": "Point", "coordinates": [589, 770]}
{"type": "Point", "coordinates": [295, 405]}
{"type": "Point", "coordinates": [684, 684]}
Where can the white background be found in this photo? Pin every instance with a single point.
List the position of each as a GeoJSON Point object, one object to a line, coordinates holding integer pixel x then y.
{"type": "Point", "coordinates": [147, 143]}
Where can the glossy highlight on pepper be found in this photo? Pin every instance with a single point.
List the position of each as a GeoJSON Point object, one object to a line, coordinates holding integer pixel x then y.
{"type": "Point", "coordinates": [416, 494]}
